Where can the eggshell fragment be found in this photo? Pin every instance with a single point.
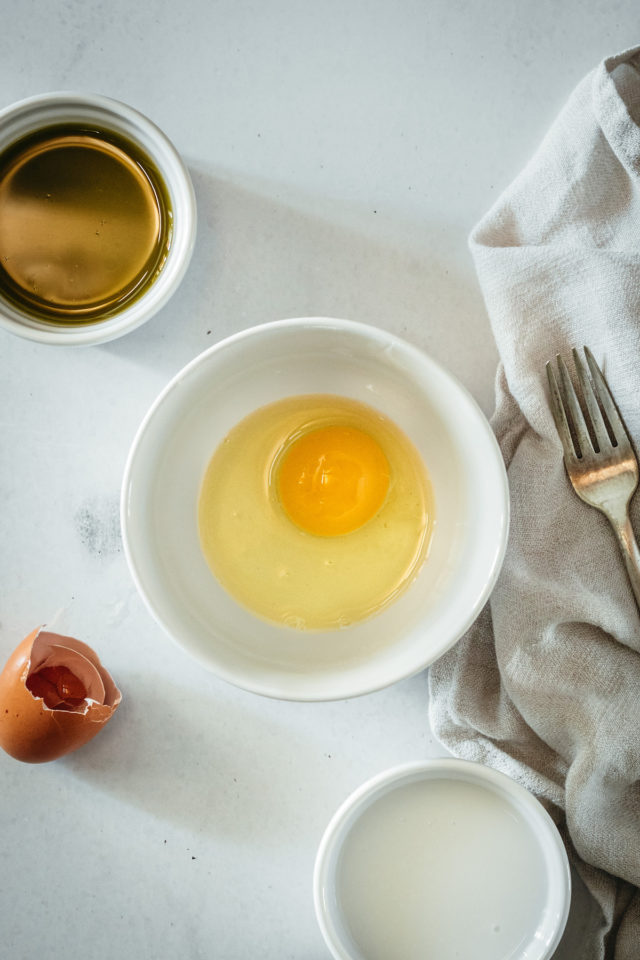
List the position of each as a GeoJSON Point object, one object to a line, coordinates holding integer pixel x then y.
{"type": "Point", "coordinates": [55, 695]}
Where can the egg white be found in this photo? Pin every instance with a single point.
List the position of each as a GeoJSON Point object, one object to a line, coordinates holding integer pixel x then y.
{"type": "Point", "coordinates": [279, 571]}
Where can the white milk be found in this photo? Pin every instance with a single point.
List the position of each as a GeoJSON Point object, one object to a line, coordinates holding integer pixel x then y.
{"type": "Point", "coordinates": [441, 870]}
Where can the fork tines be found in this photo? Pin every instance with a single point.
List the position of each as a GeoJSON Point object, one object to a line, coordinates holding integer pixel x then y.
{"type": "Point", "coordinates": [593, 426]}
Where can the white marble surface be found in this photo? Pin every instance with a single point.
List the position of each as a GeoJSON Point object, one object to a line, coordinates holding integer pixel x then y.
{"type": "Point", "coordinates": [340, 154]}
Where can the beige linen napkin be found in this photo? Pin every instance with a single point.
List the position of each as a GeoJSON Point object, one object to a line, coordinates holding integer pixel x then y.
{"type": "Point", "coordinates": [546, 686]}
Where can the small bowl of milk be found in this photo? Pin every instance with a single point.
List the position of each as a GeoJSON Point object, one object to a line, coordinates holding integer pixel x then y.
{"type": "Point", "coordinates": [444, 859]}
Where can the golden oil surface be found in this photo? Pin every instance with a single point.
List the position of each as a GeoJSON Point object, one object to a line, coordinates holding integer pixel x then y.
{"type": "Point", "coordinates": [84, 224]}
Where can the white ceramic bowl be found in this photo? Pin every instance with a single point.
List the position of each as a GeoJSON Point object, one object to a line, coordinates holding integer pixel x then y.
{"type": "Point", "coordinates": [50, 109]}
{"type": "Point", "coordinates": [474, 872]}
{"type": "Point", "coordinates": [258, 366]}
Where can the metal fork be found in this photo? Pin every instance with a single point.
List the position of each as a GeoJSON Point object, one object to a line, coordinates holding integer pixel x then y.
{"type": "Point", "coordinates": [598, 455]}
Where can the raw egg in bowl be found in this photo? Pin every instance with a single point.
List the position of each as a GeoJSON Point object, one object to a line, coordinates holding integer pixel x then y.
{"type": "Point", "coordinates": [315, 512]}
{"type": "Point", "coordinates": [314, 509]}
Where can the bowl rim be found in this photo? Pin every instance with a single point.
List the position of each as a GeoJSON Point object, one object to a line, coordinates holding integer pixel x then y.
{"type": "Point", "coordinates": [349, 811]}
{"type": "Point", "coordinates": [182, 246]}
{"type": "Point", "coordinates": [271, 689]}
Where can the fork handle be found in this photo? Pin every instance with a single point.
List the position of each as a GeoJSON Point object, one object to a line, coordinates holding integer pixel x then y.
{"type": "Point", "coordinates": [630, 552]}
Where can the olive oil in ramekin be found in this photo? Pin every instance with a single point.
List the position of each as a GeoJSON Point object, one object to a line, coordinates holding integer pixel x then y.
{"type": "Point", "coordinates": [85, 224]}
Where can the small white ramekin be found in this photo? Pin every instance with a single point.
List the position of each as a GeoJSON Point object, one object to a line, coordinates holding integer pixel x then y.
{"type": "Point", "coordinates": [50, 109]}
{"type": "Point", "coordinates": [259, 366]}
{"type": "Point", "coordinates": [552, 920]}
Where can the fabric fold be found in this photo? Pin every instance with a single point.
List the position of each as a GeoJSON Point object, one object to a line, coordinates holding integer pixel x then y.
{"type": "Point", "coordinates": [546, 685]}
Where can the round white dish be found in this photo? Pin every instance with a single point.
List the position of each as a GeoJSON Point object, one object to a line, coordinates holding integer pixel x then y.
{"type": "Point", "coordinates": [192, 416]}
{"type": "Point", "coordinates": [442, 858]}
{"type": "Point", "coordinates": [45, 110]}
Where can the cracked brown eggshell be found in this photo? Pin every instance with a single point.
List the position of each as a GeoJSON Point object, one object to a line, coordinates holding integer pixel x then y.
{"type": "Point", "coordinates": [42, 723]}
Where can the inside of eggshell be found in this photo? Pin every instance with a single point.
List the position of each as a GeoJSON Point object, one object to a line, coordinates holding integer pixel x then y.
{"type": "Point", "coordinates": [58, 687]}
{"type": "Point", "coordinates": [67, 675]}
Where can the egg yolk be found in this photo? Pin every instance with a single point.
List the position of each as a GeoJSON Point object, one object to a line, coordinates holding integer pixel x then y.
{"type": "Point", "coordinates": [333, 480]}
